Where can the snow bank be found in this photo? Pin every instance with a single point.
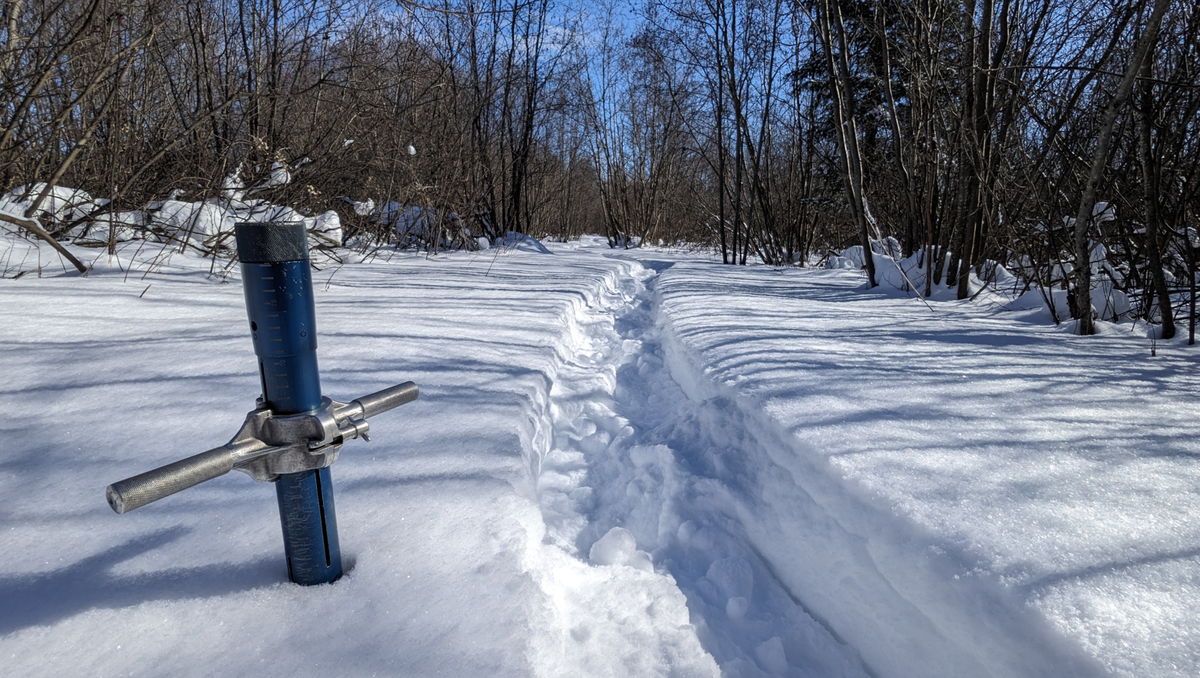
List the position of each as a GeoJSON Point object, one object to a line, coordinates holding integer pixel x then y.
{"type": "Point", "coordinates": [421, 227]}
{"type": "Point", "coordinates": [207, 223]}
{"type": "Point", "coordinates": [212, 222]}
{"type": "Point", "coordinates": [61, 205]}
{"type": "Point", "coordinates": [521, 243]}
{"type": "Point", "coordinates": [994, 281]}
{"type": "Point", "coordinates": [954, 493]}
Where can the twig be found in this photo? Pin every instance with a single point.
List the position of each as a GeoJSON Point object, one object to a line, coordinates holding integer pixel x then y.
{"type": "Point", "coordinates": [33, 227]}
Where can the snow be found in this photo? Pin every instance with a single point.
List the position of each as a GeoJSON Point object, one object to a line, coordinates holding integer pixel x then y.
{"type": "Point", "coordinates": [619, 547]}
{"type": "Point", "coordinates": [994, 281]}
{"type": "Point", "coordinates": [622, 463]}
{"type": "Point", "coordinates": [198, 220]}
{"type": "Point", "coordinates": [209, 223]}
{"type": "Point", "coordinates": [521, 243]}
{"type": "Point", "coordinates": [61, 204]}
{"type": "Point", "coordinates": [1002, 496]}
{"type": "Point", "coordinates": [438, 515]}
{"type": "Point", "coordinates": [363, 208]}
{"type": "Point", "coordinates": [417, 226]}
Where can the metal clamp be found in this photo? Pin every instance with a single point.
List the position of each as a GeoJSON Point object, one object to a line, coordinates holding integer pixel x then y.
{"type": "Point", "coordinates": [265, 447]}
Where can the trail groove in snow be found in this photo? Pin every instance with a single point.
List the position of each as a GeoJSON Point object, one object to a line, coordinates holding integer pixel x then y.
{"type": "Point", "coordinates": [850, 564]}
{"type": "Point", "coordinates": [639, 474]}
{"type": "Point", "coordinates": [618, 603]}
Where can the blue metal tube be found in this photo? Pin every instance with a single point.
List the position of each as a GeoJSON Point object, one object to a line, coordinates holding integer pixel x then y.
{"type": "Point", "coordinates": [310, 536]}
{"type": "Point", "coordinates": [277, 283]}
{"type": "Point", "coordinates": [279, 302]}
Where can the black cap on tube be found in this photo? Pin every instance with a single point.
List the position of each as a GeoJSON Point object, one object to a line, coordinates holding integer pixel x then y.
{"type": "Point", "coordinates": [271, 242]}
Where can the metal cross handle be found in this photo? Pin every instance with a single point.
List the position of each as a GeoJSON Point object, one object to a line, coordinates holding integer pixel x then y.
{"type": "Point", "coordinates": [266, 447]}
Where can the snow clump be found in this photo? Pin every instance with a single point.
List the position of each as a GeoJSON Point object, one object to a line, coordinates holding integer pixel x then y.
{"type": "Point", "coordinates": [618, 547]}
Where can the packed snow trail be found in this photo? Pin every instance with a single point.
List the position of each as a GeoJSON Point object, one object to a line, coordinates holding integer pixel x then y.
{"type": "Point", "coordinates": [640, 475]}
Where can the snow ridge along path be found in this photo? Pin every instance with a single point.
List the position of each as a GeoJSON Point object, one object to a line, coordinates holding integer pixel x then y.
{"type": "Point", "coordinates": [831, 507]}
{"type": "Point", "coordinates": [964, 492]}
{"type": "Point", "coordinates": [859, 571]}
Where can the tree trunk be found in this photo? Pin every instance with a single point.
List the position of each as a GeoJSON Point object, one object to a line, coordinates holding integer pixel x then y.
{"type": "Point", "coordinates": [1150, 195]}
{"type": "Point", "coordinates": [830, 27]}
{"type": "Point", "coordinates": [1083, 217]}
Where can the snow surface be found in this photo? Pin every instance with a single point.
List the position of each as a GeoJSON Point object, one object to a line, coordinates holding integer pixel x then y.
{"type": "Point", "coordinates": [625, 463]}
{"type": "Point", "coordinates": [209, 223]}
{"type": "Point", "coordinates": [962, 491]}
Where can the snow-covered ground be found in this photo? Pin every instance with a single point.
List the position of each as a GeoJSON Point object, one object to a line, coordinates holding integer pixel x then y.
{"type": "Point", "coordinates": [623, 463]}
{"type": "Point", "coordinates": [958, 491]}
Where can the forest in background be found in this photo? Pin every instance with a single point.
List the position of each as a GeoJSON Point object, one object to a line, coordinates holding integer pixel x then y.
{"type": "Point", "coordinates": [1028, 134]}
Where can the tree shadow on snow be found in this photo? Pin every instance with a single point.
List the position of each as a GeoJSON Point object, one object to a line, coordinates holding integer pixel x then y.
{"type": "Point", "coordinates": [47, 598]}
{"type": "Point", "coordinates": [1116, 566]}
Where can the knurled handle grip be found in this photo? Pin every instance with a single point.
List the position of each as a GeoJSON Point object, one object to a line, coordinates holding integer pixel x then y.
{"type": "Point", "coordinates": [128, 494]}
{"type": "Point", "coordinates": [388, 398]}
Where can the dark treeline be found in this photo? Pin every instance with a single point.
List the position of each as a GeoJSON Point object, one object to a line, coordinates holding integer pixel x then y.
{"type": "Point", "coordinates": [967, 134]}
{"type": "Point", "coordinates": [469, 111]}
